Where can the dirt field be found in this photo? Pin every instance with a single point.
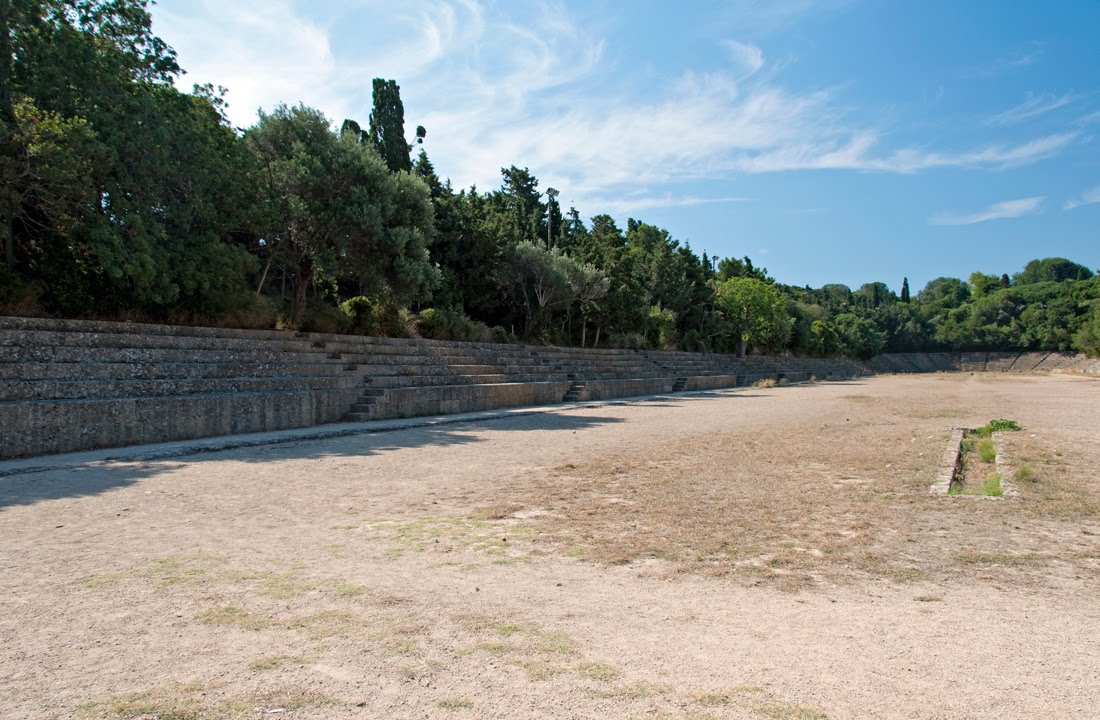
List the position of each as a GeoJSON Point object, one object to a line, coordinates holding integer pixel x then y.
{"type": "Point", "coordinates": [765, 553]}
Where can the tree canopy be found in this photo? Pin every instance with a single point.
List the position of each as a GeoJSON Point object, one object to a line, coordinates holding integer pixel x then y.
{"type": "Point", "coordinates": [122, 195]}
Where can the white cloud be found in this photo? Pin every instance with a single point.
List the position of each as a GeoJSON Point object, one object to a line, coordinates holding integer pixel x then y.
{"type": "Point", "coordinates": [747, 56]}
{"type": "Point", "coordinates": [1088, 197]}
{"type": "Point", "coordinates": [493, 90]}
{"type": "Point", "coordinates": [997, 211]}
{"type": "Point", "coordinates": [1002, 65]}
{"type": "Point", "coordinates": [1031, 108]}
{"type": "Point", "coordinates": [636, 203]}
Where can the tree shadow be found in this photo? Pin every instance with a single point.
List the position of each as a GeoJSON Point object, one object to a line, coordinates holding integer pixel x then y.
{"type": "Point", "coordinates": [131, 465]}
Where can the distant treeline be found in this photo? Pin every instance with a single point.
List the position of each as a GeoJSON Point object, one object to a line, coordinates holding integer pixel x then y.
{"type": "Point", "coordinates": [122, 197]}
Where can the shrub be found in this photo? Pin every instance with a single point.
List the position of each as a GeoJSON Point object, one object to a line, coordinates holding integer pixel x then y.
{"type": "Point", "coordinates": [377, 316]}
{"type": "Point", "coordinates": [322, 318]}
{"type": "Point", "coordinates": [440, 324]}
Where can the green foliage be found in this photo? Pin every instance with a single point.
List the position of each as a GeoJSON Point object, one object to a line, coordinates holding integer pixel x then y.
{"type": "Point", "coordinates": [1003, 425]}
{"type": "Point", "coordinates": [986, 452]}
{"type": "Point", "coordinates": [441, 324]}
{"type": "Point", "coordinates": [322, 318]}
{"type": "Point", "coordinates": [1051, 270]}
{"type": "Point", "coordinates": [377, 316]}
{"type": "Point", "coordinates": [991, 486]}
{"type": "Point", "coordinates": [756, 312]}
{"type": "Point", "coordinates": [387, 125]}
{"type": "Point", "coordinates": [120, 194]}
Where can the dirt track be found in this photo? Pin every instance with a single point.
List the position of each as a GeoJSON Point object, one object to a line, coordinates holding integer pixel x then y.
{"type": "Point", "coordinates": [752, 554]}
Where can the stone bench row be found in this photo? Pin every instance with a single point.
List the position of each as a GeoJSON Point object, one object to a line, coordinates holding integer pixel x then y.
{"type": "Point", "coordinates": [57, 426]}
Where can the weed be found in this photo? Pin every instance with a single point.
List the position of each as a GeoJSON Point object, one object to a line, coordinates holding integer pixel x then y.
{"type": "Point", "coordinates": [991, 487]}
{"type": "Point", "coordinates": [986, 452]}
{"type": "Point", "coordinates": [455, 704]}
{"type": "Point", "coordinates": [998, 425]}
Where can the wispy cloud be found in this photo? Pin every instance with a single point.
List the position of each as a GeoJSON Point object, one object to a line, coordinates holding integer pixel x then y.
{"type": "Point", "coordinates": [997, 211]}
{"type": "Point", "coordinates": [627, 204]}
{"type": "Point", "coordinates": [1093, 117]}
{"type": "Point", "coordinates": [1088, 197]}
{"type": "Point", "coordinates": [747, 56]}
{"type": "Point", "coordinates": [1007, 63]}
{"type": "Point", "coordinates": [1031, 108]}
{"type": "Point", "coordinates": [494, 88]}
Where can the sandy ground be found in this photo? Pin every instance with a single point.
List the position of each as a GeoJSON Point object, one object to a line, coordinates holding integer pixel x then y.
{"type": "Point", "coordinates": [765, 553]}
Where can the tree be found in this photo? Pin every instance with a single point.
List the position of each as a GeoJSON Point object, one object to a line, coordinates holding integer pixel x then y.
{"type": "Point", "coordinates": [756, 311]}
{"type": "Point", "coordinates": [540, 279]}
{"type": "Point", "coordinates": [905, 290]}
{"type": "Point", "coordinates": [332, 208]}
{"type": "Point", "coordinates": [1051, 270]}
{"type": "Point", "coordinates": [387, 125]}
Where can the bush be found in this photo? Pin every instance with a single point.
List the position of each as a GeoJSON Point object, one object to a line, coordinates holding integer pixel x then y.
{"type": "Point", "coordinates": [322, 318]}
{"type": "Point", "coordinates": [498, 334]}
{"type": "Point", "coordinates": [440, 324]}
{"type": "Point", "coordinates": [375, 316]}
{"type": "Point", "coordinates": [627, 341]}
{"type": "Point", "coordinates": [253, 312]}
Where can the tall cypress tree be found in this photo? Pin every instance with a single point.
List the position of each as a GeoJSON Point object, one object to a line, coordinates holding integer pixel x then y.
{"type": "Point", "coordinates": [905, 290]}
{"type": "Point", "coordinates": [387, 125]}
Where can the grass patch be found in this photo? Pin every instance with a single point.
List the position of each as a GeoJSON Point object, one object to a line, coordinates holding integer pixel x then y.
{"type": "Point", "coordinates": [991, 486]}
{"type": "Point", "coordinates": [328, 623]}
{"type": "Point", "coordinates": [598, 671]}
{"type": "Point", "coordinates": [343, 588]}
{"type": "Point", "coordinates": [991, 559]}
{"type": "Point", "coordinates": [1023, 474]}
{"type": "Point", "coordinates": [634, 691]}
{"type": "Point", "coordinates": [455, 704]}
{"type": "Point", "coordinates": [106, 579]}
{"type": "Point", "coordinates": [276, 661]}
{"type": "Point", "coordinates": [195, 701]}
{"type": "Point", "coordinates": [787, 711]}
{"type": "Point", "coordinates": [231, 616]}
{"type": "Point", "coordinates": [283, 587]}
{"type": "Point", "coordinates": [986, 451]}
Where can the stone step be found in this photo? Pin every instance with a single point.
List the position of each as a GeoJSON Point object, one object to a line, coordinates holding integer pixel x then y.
{"type": "Point", "coordinates": [122, 388]}
{"type": "Point", "coordinates": [165, 371]}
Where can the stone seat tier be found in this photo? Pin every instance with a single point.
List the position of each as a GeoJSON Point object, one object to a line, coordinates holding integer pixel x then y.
{"type": "Point", "coordinates": [99, 370]}
{"type": "Point", "coordinates": [129, 387]}
{"type": "Point", "coordinates": [57, 426]}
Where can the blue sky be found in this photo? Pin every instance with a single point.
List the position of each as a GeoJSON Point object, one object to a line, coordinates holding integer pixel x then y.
{"type": "Point", "coordinates": [835, 141]}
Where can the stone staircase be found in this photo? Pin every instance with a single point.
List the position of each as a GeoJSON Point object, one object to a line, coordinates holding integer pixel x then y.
{"type": "Point", "coordinates": [76, 385]}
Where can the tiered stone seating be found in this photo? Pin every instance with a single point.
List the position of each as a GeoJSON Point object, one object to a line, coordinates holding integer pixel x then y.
{"type": "Point", "coordinates": [74, 385]}
{"type": "Point", "coordinates": [1026, 362]}
{"type": "Point", "coordinates": [410, 378]}
{"type": "Point", "coordinates": [1001, 361]}
{"type": "Point", "coordinates": [1059, 361]}
{"type": "Point", "coordinates": [944, 362]}
{"type": "Point", "coordinates": [973, 361]}
{"type": "Point", "coordinates": [977, 362]}
{"type": "Point", "coordinates": [921, 361]}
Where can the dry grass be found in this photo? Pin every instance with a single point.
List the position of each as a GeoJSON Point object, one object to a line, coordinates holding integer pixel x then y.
{"type": "Point", "coordinates": [199, 701]}
{"type": "Point", "coordinates": [840, 499]}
